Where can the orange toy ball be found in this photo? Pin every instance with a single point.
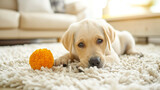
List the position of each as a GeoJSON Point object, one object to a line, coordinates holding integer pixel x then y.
{"type": "Point", "coordinates": [41, 57]}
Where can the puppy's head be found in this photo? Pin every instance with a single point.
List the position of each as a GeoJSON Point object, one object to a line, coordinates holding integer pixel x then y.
{"type": "Point", "coordinates": [89, 40]}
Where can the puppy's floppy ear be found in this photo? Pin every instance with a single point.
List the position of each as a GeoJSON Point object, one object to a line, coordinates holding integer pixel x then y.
{"type": "Point", "coordinates": [111, 32]}
{"type": "Point", "coordinates": [108, 42]}
{"type": "Point", "coordinates": [68, 38]}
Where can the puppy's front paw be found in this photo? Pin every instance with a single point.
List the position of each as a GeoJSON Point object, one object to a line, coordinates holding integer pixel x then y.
{"type": "Point", "coordinates": [79, 67]}
{"type": "Point", "coordinates": [63, 60]}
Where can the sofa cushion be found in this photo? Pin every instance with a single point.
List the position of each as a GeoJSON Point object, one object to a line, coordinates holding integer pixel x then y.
{"type": "Point", "coordinates": [8, 19]}
{"type": "Point", "coordinates": [8, 4]}
{"type": "Point", "coordinates": [75, 7]}
{"type": "Point", "coordinates": [44, 21]}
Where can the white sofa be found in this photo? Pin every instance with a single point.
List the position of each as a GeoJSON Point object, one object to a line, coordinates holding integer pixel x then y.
{"type": "Point", "coordinates": [25, 25]}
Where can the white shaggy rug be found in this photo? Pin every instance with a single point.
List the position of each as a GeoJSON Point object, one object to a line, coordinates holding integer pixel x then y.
{"type": "Point", "coordinates": [134, 74]}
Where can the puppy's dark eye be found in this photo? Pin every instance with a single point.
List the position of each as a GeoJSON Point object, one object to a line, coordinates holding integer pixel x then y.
{"type": "Point", "coordinates": [99, 41]}
{"type": "Point", "coordinates": [81, 45]}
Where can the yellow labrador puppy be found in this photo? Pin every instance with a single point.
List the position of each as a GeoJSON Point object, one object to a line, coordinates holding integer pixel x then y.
{"type": "Point", "coordinates": [94, 43]}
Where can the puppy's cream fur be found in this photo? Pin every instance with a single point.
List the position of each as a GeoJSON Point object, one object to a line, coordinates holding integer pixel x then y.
{"type": "Point", "coordinates": [88, 31]}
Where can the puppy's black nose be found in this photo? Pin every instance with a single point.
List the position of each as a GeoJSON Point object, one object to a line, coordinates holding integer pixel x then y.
{"type": "Point", "coordinates": [94, 61]}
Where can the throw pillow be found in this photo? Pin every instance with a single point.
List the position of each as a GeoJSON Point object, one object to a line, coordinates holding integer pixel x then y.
{"type": "Point", "coordinates": [58, 6]}
{"type": "Point", "coordinates": [34, 6]}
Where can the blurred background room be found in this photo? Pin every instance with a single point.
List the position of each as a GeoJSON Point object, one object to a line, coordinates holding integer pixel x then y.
{"type": "Point", "coordinates": [45, 21]}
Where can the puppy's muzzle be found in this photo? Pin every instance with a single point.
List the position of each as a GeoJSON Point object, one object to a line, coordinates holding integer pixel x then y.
{"type": "Point", "coordinates": [95, 61]}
